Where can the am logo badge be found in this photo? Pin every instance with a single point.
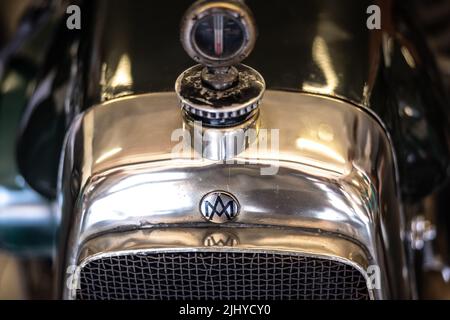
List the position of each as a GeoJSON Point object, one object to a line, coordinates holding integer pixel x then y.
{"type": "Point", "coordinates": [219, 207]}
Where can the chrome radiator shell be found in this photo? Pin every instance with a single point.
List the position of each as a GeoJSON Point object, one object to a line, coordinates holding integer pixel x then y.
{"type": "Point", "coordinates": [334, 195]}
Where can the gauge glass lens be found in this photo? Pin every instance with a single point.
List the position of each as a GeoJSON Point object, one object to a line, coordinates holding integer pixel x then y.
{"type": "Point", "coordinates": [219, 36]}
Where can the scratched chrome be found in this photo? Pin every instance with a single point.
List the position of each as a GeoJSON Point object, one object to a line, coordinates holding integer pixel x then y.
{"type": "Point", "coordinates": [336, 174]}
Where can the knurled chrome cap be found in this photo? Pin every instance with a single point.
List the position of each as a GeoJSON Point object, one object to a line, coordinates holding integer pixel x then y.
{"type": "Point", "coordinates": [219, 108]}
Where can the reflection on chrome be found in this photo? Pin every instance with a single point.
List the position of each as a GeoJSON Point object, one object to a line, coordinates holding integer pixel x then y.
{"type": "Point", "coordinates": [108, 154]}
{"type": "Point", "coordinates": [120, 82]}
{"type": "Point", "coordinates": [323, 60]}
{"type": "Point", "coordinates": [320, 148]}
{"type": "Point", "coordinates": [326, 184]}
{"type": "Point", "coordinates": [122, 76]}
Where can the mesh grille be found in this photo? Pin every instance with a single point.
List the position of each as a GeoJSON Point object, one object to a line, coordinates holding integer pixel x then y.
{"type": "Point", "coordinates": [219, 275]}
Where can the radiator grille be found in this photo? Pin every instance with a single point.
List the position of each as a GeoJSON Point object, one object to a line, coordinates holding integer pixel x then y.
{"type": "Point", "coordinates": [219, 275]}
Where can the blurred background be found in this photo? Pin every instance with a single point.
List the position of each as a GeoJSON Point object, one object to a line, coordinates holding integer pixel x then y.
{"type": "Point", "coordinates": [433, 17]}
{"type": "Point", "coordinates": [27, 223]}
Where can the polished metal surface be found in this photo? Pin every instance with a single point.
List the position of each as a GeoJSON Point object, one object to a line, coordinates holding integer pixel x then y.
{"type": "Point", "coordinates": [329, 171]}
{"type": "Point", "coordinates": [219, 143]}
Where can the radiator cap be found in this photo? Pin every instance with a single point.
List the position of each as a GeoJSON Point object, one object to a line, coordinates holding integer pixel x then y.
{"type": "Point", "coordinates": [219, 92]}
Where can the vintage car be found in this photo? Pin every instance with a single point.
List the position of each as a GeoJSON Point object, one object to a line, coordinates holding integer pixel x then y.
{"type": "Point", "coordinates": [223, 150]}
